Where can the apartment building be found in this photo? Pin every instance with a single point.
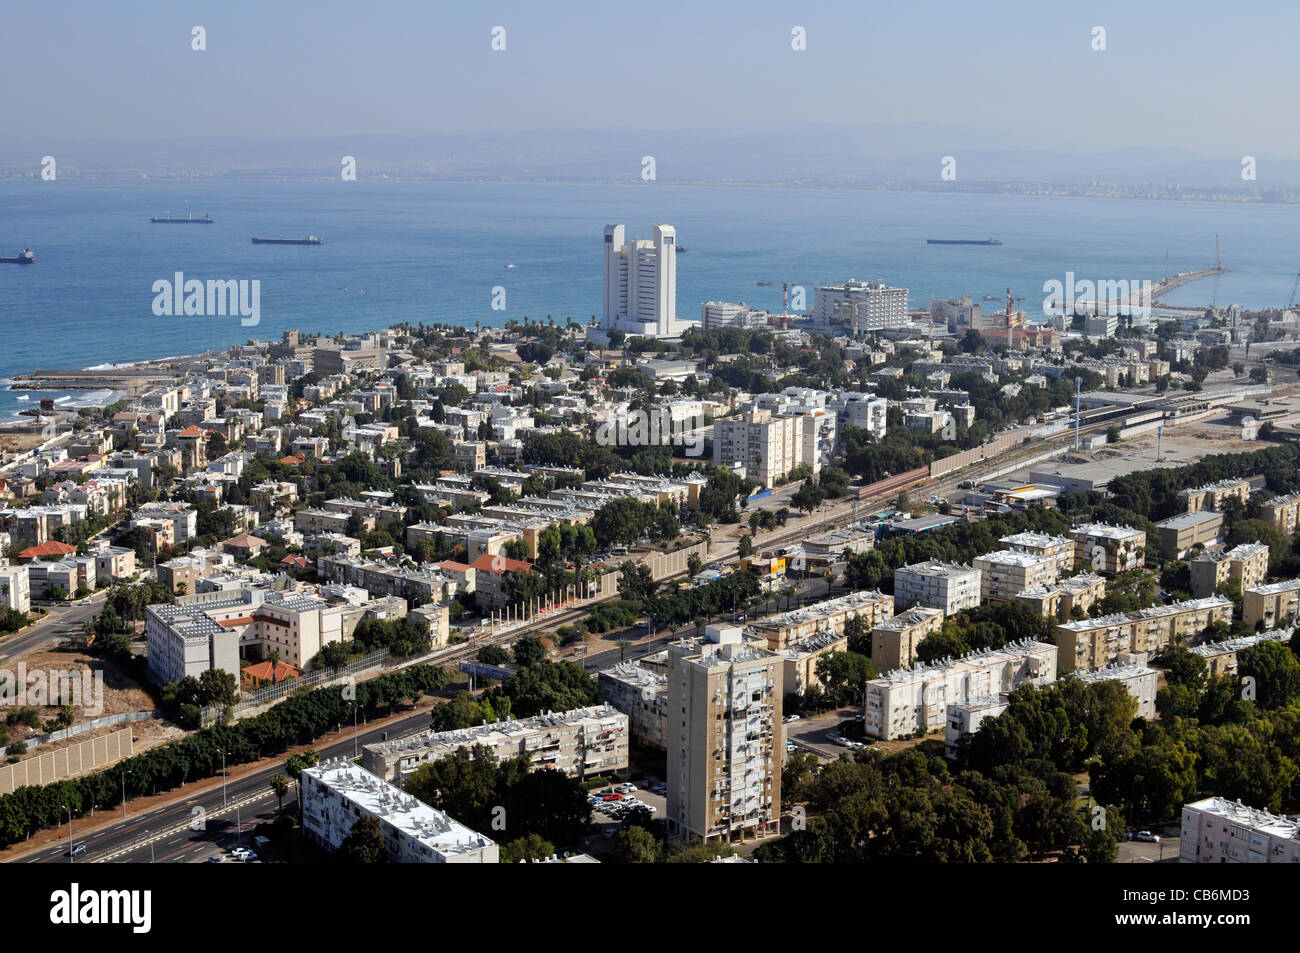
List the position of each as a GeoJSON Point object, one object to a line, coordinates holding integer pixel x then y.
{"type": "Point", "coordinates": [894, 641]}
{"type": "Point", "coordinates": [641, 693]}
{"type": "Point", "coordinates": [1060, 600]}
{"type": "Point", "coordinates": [1139, 680]}
{"type": "Point", "coordinates": [1219, 831]}
{"type": "Point", "coordinates": [782, 630]}
{"type": "Point", "coordinates": [966, 717]}
{"type": "Point", "coordinates": [1221, 657]}
{"type": "Point", "coordinates": [337, 793]}
{"type": "Point", "coordinates": [15, 589]}
{"type": "Point", "coordinates": [951, 587]}
{"type": "Point", "coordinates": [799, 660]}
{"type": "Point", "coordinates": [724, 736]}
{"type": "Point", "coordinates": [861, 306]}
{"type": "Point", "coordinates": [1091, 644]}
{"type": "Point", "coordinates": [1273, 603]}
{"type": "Point", "coordinates": [1213, 495]}
{"type": "Point", "coordinates": [1007, 572]}
{"type": "Point", "coordinates": [767, 446]}
{"type": "Point", "coordinates": [909, 700]}
{"type": "Point", "coordinates": [181, 574]}
{"type": "Point", "coordinates": [1110, 549]}
{"type": "Point", "coordinates": [1179, 534]}
{"type": "Point", "coordinates": [578, 743]}
{"type": "Point", "coordinates": [1247, 563]}
{"type": "Point", "coordinates": [1060, 549]}
{"type": "Point", "coordinates": [863, 410]}
{"type": "Point", "coordinates": [1282, 513]}
{"type": "Point", "coordinates": [417, 586]}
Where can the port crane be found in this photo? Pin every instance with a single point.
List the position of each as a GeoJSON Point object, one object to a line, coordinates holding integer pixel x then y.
{"type": "Point", "coordinates": [785, 291]}
{"type": "Point", "coordinates": [1010, 304]}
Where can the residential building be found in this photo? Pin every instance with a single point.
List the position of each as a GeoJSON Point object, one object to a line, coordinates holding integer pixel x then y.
{"type": "Point", "coordinates": [1110, 549]}
{"type": "Point", "coordinates": [894, 641]}
{"type": "Point", "coordinates": [1272, 603]}
{"type": "Point", "coordinates": [1179, 534]}
{"type": "Point", "coordinates": [1219, 831]}
{"type": "Point", "coordinates": [799, 660]}
{"type": "Point", "coordinates": [1247, 563]}
{"type": "Point", "coordinates": [1007, 572]}
{"type": "Point", "coordinates": [768, 447]}
{"type": "Point", "coordinates": [861, 306]}
{"type": "Point", "coordinates": [1221, 657]}
{"type": "Point", "coordinates": [724, 730]}
{"type": "Point", "coordinates": [910, 700]}
{"type": "Point", "coordinates": [1282, 513]}
{"type": "Point", "coordinates": [578, 743]}
{"type": "Point", "coordinates": [641, 693]}
{"type": "Point", "coordinates": [1212, 495]}
{"type": "Point", "coordinates": [338, 793]}
{"type": "Point", "coordinates": [787, 628]}
{"type": "Point", "coordinates": [15, 589]}
{"type": "Point", "coordinates": [1091, 644]}
{"type": "Point", "coordinates": [1138, 679]}
{"type": "Point", "coordinates": [951, 587]}
{"type": "Point", "coordinates": [966, 717]}
{"type": "Point", "coordinates": [1060, 600]}
{"type": "Point", "coordinates": [1061, 549]}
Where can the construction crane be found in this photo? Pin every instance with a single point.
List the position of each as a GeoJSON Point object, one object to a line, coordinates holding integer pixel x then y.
{"type": "Point", "coordinates": [785, 291]}
{"type": "Point", "coordinates": [1291, 302]}
{"type": "Point", "coordinates": [1010, 304]}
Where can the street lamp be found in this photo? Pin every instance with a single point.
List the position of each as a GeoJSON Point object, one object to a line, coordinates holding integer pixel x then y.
{"type": "Point", "coordinates": [223, 776]}
{"type": "Point", "coordinates": [72, 857]}
{"type": "Point", "coordinates": [124, 774]}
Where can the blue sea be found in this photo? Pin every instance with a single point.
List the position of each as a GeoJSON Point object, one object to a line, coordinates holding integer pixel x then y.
{"type": "Point", "coordinates": [433, 252]}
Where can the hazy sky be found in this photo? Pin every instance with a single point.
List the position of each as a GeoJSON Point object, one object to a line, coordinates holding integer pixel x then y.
{"type": "Point", "coordinates": [1214, 78]}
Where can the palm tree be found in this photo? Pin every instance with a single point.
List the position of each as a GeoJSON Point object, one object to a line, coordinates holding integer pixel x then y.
{"type": "Point", "coordinates": [280, 785]}
{"type": "Point", "coordinates": [274, 657]}
{"type": "Point", "coordinates": [297, 764]}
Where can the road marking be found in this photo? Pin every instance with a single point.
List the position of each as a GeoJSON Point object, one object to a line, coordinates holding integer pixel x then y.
{"type": "Point", "coordinates": [180, 828]}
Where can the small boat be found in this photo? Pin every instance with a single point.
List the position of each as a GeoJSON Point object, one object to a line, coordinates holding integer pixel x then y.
{"type": "Point", "coordinates": [512, 266]}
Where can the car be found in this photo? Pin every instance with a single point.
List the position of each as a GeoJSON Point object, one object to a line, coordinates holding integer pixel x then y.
{"type": "Point", "coordinates": [76, 850]}
{"type": "Point", "coordinates": [790, 718]}
{"type": "Point", "coordinates": [625, 788]}
{"type": "Point", "coordinates": [609, 832]}
{"type": "Point", "coordinates": [1147, 837]}
{"type": "Point", "coordinates": [215, 859]}
{"type": "Point", "coordinates": [613, 797]}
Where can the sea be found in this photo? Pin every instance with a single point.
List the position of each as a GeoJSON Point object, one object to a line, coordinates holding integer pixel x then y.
{"type": "Point", "coordinates": [438, 253]}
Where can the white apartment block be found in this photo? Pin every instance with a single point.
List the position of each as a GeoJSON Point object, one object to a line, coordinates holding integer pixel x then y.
{"type": "Point", "coordinates": [1060, 548]}
{"type": "Point", "coordinates": [1218, 831]}
{"type": "Point", "coordinates": [727, 314]}
{"type": "Point", "coordinates": [1138, 679]}
{"type": "Point", "coordinates": [724, 729]}
{"type": "Point", "coordinates": [965, 719]}
{"type": "Point", "coordinates": [951, 587]}
{"type": "Point", "coordinates": [15, 589]}
{"type": "Point", "coordinates": [866, 305]}
{"type": "Point", "coordinates": [767, 447]}
{"type": "Point", "coordinates": [915, 699]}
{"type": "Point", "coordinates": [862, 410]}
{"type": "Point", "coordinates": [1007, 572]}
{"type": "Point", "coordinates": [1110, 549]}
{"type": "Point", "coordinates": [338, 793]}
{"type": "Point", "coordinates": [787, 628]}
{"type": "Point", "coordinates": [641, 283]}
{"type": "Point", "coordinates": [579, 743]}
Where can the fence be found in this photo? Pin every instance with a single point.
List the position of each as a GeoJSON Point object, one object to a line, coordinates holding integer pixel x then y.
{"type": "Point", "coordinates": [259, 697]}
{"type": "Point", "coordinates": [993, 448]}
{"type": "Point", "coordinates": [68, 762]}
{"type": "Point", "coordinates": [35, 741]}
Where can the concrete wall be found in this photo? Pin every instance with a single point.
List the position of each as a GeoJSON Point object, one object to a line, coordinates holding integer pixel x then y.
{"type": "Point", "coordinates": [993, 448]}
{"type": "Point", "coordinates": [68, 762]}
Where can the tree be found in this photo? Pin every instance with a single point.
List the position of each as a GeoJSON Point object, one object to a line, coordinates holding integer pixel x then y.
{"type": "Point", "coordinates": [808, 497]}
{"type": "Point", "coordinates": [616, 337]}
{"type": "Point", "coordinates": [529, 651]}
{"type": "Point", "coordinates": [364, 843]}
{"type": "Point", "coordinates": [493, 655]}
{"type": "Point", "coordinates": [1276, 672]}
{"type": "Point", "coordinates": [745, 549]}
{"type": "Point", "coordinates": [528, 847]}
{"type": "Point", "coordinates": [280, 785]}
{"type": "Point", "coordinates": [636, 845]}
{"type": "Point", "coordinates": [694, 565]}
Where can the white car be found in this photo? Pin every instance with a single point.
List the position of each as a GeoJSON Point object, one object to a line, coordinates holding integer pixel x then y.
{"type": "Point", "coordinates": [789, 718]}
{"type": "Point", "coordinates": [625, 788]}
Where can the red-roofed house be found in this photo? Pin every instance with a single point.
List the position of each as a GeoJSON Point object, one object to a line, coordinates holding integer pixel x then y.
{"type": "Point", "coordinates": [243, 546]}
{"type": "Point", "coordinates": [492, 579]}
{"type": "Point", "coordinates": [47, 550]}
{"type": "Point", "coordinates": [252, 676]}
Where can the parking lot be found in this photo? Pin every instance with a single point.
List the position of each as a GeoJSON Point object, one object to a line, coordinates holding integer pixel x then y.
{"type": "Point", "coordinates": [607, 814]}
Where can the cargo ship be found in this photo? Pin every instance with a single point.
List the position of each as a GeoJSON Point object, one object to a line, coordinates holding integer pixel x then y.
{"type": "Point", "coordinates": [204, 219]}
{"type": "Point", "coordinates": [24, 257]}
{"type": "Point", "coordinates": [963, 241]}
{"type": "Point", "coordinates": [309, 240]}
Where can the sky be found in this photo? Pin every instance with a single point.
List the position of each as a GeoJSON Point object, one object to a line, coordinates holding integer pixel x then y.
{"type": "Point", "coordinates": [1215, 79]}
